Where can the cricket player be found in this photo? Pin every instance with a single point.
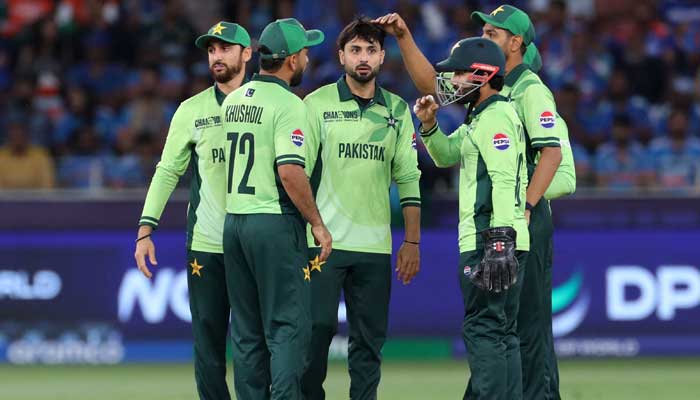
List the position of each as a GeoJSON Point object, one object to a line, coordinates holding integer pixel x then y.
{"type": "Point", "coordinates": [361, 138]}
{"type": "Point", "coordinates": [268, 197]}
{"type": "Point", "coordinates": [493, 235]}
{"type": "Point", "coordinates": [196, 138]}
{"type": "Point", "coordinates": [545, 132]}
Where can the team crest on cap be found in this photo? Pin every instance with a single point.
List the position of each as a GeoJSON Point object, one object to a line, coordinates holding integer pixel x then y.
{"type": "Point", "coordinates": [501, 141]}
{"type": "Point", "coordinates": [298, 137]}
{"type": "Point", "coordinates": [413, 141]}
{"type": "Point", "coordinates": [547, 119]}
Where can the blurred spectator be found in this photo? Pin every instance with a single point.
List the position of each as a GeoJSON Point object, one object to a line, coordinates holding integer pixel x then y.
{"type": "Point", "coordinates": [553, 36]}
{"type": "Point", "coordinates": [123, 168]}
{"type": "Point", "coordinates": [623, 163]}
{"type": "Point", "coordinates": [23, 165]}
{"type": "Point", "coordinates": [149, 112]}
{"type": "Point", "coordinates": [648, 75]}
{"type": "Point", "coordinates": [619, 101]}
{"type": "Point", "coordinates": [584, 168]}
{"type": "Point", "coordinates": [676, 157]}
{"type": "Point", "coordinates": [77, 114]}
{"type": "Point", "coordinates": [20, 13]}
{"type": "Point", "coordinates": [81, 167]}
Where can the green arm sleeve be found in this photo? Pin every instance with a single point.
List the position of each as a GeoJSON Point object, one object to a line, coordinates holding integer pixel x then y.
{"type": "Point", "coordinates": [291, 127]}
{"type": "Point", "coordinates": [564, 181]}
{"type": "Point", "coordinates": [312, 137]}
{"type": "Point", "coordinates": [502, 166]}
{"type": "Point", "coordinates": [445, 151]}
{"type": "Point", "coordinates": [404, 166]}
{"type": "Point", "coordinates": [173, 164]}
{"type": "Point", "coordinates": [539, 116]}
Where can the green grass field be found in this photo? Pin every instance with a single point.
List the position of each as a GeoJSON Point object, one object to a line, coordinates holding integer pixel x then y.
{"type": "Point", "coordinates": [640, 379]}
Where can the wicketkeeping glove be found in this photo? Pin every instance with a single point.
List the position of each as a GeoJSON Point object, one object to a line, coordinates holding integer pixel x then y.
{"type": "Point", "coordinates": [498, 269]}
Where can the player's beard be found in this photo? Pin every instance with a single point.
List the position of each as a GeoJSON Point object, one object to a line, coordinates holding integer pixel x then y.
{"type": "Point", "coordinates": [362, 78]}
{"type": "Point", "coordinates": [471, 98]}
{"type": "Point", "coordinates": [297, 77]}
{"type": "Point", "coordinates": [229, 71]}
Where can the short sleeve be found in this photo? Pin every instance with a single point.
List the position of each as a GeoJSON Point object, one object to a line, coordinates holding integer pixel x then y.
{"type": "Point", "coordinates": [291, 127]}
{"type": "Point", "coordinates": [540, 117]}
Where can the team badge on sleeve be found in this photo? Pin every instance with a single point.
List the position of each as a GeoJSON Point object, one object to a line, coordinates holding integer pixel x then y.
{"type": "Point", "coordinates": [501, 141]}
{"type": "Point", "coordinates": [547, 119]}
{"type": "Point", "coordinates": [413, 141]}
{"type": "Point", "coordinates": [298, 137]}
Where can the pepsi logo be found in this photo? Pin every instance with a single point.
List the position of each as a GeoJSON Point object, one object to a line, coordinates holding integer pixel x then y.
{"type": "Point", "coordinates": [467, 270]}
{"type": "Point", "coordinates": [501, 141]}
{"type": "Point", "coordinates": [413, 141]}
{"type": "Point", "coordinates": [547, 119]}
{"type": "Point", "coordinates": [298, 137]}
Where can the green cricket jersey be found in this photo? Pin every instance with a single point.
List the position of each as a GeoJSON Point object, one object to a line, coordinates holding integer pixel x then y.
{"type": "Point", "coordinates": [493, 179]}
{"type": "Point", "coordinates": [544, 127]}
{"type": "Point", "coordinates": [354, 153]}
{"type": "Point", "coordinates": [195, 138]}
{"type": "Point", "coordinates": [265, 126]}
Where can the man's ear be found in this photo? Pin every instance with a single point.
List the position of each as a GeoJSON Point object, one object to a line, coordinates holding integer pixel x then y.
{"type": "Point", "coordinates": [381, 57]}
{"type": "Point", "coordinates": [292, 61]}
{"type": "Point", "coordinates": [341, 57]}
{"type": "Point", "coordinates": [515, 43]}
{"type": "Point", "coordinates": [247, 54]}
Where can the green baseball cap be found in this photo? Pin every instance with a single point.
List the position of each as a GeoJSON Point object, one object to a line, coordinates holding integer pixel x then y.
{"type": "Point", "coordinates": [285, 37]}
{"type": "Point", "coordinates": [509, 18]}
{"type": "Point", "coordinates": [228, 32]}
{"type": "Point", "coordinates": [532, 58]}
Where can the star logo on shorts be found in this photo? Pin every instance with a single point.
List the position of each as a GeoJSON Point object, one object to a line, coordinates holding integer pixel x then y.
{"type": "Point", "coordinates": [307, 273]}
{"type": "Point", "coordinates": [196, 268]}
{"type": "Point", "coordinates": [391, 121]}
{"type": "Point", "coordinates": [316, 264]}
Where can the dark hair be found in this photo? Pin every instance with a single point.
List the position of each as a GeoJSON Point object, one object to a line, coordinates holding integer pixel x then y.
{"type": "Point", "coordinates": [362, 28]}
{"type": "Point", "coordinates": [622, 120]}
{"type": "Point", "coordinates": [497, 82]}
{"type": "Point", "coordinates": [269, 64]}
{"type": "Point", "coordinates": [678, 110]}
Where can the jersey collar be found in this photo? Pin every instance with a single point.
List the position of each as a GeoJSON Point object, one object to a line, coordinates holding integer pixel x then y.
{"type": "Point", "coordinates": [481, 107]}
{"type": "Point", "coordinates": [345, 94]}
{"type": "Point", "coordinates": [271, 79]}
{"type": "Point", "coordinates": [514, 75]}
{"type": "Point", "coordinates": [221, 96]}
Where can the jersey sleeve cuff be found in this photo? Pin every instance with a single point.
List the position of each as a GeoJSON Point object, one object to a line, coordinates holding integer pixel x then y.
{"type": "Point", "coordinates": [545, 142]}
{"type": "Point", "coordinates": [150, 221]}
{"type": "Point", "coordinates": [290, 159]}
{"type": "Point", "coordinates": [409, 194]}
{"type": "Point", "coordinates": [429, 132]}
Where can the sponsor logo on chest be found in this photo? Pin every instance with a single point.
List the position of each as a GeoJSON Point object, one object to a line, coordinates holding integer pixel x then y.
{"type": "Point", "coordinates": [341, 116]}
{"type": "Point", "coordinates": [207, 122]}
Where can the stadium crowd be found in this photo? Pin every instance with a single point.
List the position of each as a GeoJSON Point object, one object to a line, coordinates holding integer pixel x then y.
{"type": "Point", "coordinates": [89, 86]}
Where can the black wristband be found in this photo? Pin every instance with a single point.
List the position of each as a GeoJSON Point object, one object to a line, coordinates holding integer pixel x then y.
{"type": "Point", "coordinates": [528, 206]}
{"type": "Point", "coordinates": [416, 243]}
{"type": "Point", "coordinates": [142, 237]}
